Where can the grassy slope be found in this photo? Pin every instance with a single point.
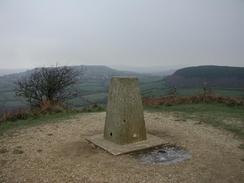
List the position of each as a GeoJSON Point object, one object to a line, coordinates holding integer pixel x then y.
{"type": "Point", "coordinates": [225, 81]}
{"type": "Point", "coordinates": [217, 115]}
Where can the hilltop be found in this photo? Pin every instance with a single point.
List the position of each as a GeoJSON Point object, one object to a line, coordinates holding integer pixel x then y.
{"type": "Point", "coordinates": [213, 76]}
{"type": "Point", "coordinates": [56, 151]}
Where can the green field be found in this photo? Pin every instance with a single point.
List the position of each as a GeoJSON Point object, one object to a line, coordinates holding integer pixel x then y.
{"type": "Point", "coordinates": [95, 91]}
{"type": "Point", "coordinates": [89, 91]}
{"type": "Point", "coordinates": [217, 91]}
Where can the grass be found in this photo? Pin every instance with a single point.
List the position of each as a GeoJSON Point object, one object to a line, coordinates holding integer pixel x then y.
{"type": "Point", "coordinates": [217, 115]}
{"type": "Point", "coordinates": [218, 91]}
{"type": "Point", "coordinates": [35, 120]}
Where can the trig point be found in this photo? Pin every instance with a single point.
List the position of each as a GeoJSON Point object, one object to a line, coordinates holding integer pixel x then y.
{"type": "Point", "coordinates": [124, 118]}
{"type": "Point", "coordinates": [124, 129]}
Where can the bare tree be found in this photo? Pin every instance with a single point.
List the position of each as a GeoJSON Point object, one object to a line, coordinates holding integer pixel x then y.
{"type": "Point", "coordinates": [47, 84]}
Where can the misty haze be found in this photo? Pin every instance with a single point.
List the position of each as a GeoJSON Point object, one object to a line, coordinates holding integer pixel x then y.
{"type": "Point", "coordinates": [122, 91]}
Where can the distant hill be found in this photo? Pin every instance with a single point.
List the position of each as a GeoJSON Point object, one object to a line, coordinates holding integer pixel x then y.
{"type": "Point", "coordinates": [92, 86]}
{"type": "Point", "coordinates": [156, 70]}
{"type": "Point", "coordinates": [10, 71]}
{"type": "Point", "coordinates": [213, 76]}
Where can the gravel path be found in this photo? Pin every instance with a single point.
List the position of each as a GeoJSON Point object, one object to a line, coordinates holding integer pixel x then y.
{"type": "Point", "coordinates": [58, 152]}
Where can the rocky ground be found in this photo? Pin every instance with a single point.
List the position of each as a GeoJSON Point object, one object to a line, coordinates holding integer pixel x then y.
{"type": "Point", "coordinates": [58, 152]}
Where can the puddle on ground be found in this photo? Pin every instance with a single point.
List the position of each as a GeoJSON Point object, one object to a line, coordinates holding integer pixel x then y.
{"type": "Point", "coordinates": [162, 155]}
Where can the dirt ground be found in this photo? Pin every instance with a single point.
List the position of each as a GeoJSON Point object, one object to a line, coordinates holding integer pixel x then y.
{"type": "Point", "coordinates": [58, 152]}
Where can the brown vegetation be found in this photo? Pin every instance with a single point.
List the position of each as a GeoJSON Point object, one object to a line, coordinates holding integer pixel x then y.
{"type": "Point", "coordinates": [174, 100]}
{"type": "Point", "coordinates": [24, 113]}
{"type": "Point", "coordinates": [15, 115]}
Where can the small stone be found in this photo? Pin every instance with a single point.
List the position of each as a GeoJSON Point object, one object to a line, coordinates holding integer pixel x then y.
{"type": "Point", "coordinates": [39, 150]}
{"type": "Point", "coordinates": [18, 151]}
{"type": "Point", "coordinates": [2, 151]}
{"type": "Point", "coordinates": [49, 134]}
{"type": "Point", "coordinates": [162, 151]}
{"type": "Point", "coordinates": [2, 163]}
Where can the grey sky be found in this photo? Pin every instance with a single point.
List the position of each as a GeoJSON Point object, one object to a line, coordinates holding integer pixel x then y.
{"type": "Point", "coordinates": [121, 32]}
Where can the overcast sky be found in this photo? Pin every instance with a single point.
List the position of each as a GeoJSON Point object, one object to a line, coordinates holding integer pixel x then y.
{"type": "Point", "coordinates": [121, 32]}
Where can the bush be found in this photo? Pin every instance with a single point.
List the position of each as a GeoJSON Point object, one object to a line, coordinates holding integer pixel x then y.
{"type": "Point", "coordinates": [44, 85]}
{"type": "Point", "coordinates": [20, 114]}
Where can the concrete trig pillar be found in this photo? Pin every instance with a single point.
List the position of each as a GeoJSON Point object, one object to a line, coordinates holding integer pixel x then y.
{"type": "Point", "coordinates": [124, 118]}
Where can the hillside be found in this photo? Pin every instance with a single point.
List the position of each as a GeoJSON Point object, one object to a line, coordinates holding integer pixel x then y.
{"type": "Point", "coordinates": [94, 80]}
{"type": "Point", "coordinates": [213, 76]}
{"type": "Point", "coordinates": [92, 86]}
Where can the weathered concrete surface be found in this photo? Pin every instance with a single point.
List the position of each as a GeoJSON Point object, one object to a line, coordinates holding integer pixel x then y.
{"type": "Point", "coordinates": [124, 118]}
{"type": "Point", "coordinates": [117, 149]}
{"type": "Point", "coordinates": [124, 129]}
